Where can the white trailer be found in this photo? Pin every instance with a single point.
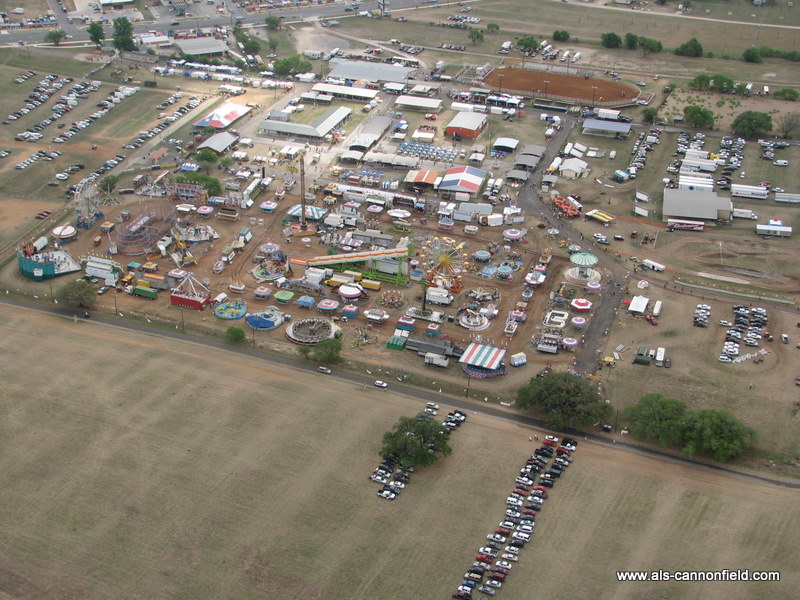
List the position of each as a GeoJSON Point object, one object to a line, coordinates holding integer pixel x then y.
{"type": "Point", "coordinates": [651, 264]}
{"type": "Point", "coordinates": [436, 360]}
{"type": "Point", "coordinates": [657, 308]}
{"type": "Point", "coordinates": [576, 57]}
{"type": "Point", "coordinates": [757, 192]}
{"type": "Point", "coordinates": [660, 355]}
{"type": "Point", "coordinates": [774, 231]}
{"type": "Point", "coordinates": [743, 213]}
{"type": "Point", "coordinates": [608, 114]}
{"type": "Point", "coordinates": [565, 56]}
{"type": "Point", "coordinates": [436, 295]}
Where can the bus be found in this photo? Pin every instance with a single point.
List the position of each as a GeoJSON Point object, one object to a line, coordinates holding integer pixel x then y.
{"type": "Point", "coordinates": [685, 225]}
{"type": "Point", "coordinates": [660, 354]}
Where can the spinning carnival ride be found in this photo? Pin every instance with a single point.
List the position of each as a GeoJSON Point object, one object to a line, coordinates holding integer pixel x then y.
{"type": "Point", "coordinates": [444, 262]}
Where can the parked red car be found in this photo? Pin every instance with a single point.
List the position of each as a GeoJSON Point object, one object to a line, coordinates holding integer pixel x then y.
{"type": "Point", "coordinates": [551, 443]}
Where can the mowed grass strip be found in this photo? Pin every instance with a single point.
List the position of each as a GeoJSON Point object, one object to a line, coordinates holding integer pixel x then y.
{"type": "Point", "coordinates": [143, 475]}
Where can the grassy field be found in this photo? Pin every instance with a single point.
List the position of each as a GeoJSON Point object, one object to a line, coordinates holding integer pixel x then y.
{"type": "Point", "coordinates": [586, 23]}
{"type": "Point", "coordinates": [33, 9]}
{"type": "Point", "coordinates": [231, 477]}
{"type": "Point", "coordinates": [697, 378]}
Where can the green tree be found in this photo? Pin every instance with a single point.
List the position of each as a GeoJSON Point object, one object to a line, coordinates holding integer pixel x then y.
{"type": "Point", "coordinates": [273, 23]}
{"type": "Point", "coordinates": [697, 116]}
{"type": "Point", "coordinates": [788, 124]}
{"type": "Point", "coordinates": [207, 158]}
{"type": "Point", "coordinates": [690, 48]}
{"type": "Point", "coordinates": [657, 419]}
{"type": "Point", "coordinates": [55, 36]}
{"type": "Point", "coordinates": [77, 294]}
{"type": "Point", "coordinates": [631, 41]}
{"type": "Point", "coordinates": [649, 114]}
{"type": "Point", "coordinates": [610, 40]}
{"type": "Point", "coordinates": [649, 45]}
{"type": "Point", "coordinates": [528, 43]}
{"type": "Point", "coordinates": [700, 82]}
{"type": "Point", "coordinates": [752, 124]}
{"type": "Point", "coordinates": [123, 35]}
{"type": "Point", "coordinates": [716, 433]}
{"type": "Point", "coordinates": [752, 55]}
{"type": "Point", "coordinates": [416, 441]}
{"type": "Point", "coordinates": [327, 351]}
{"type": "Point", "coordinates": [108, 183]}
{"type": "Point", "coordinates": [787, 94]}
{"type": "Point", "coordinates": [740, 89]}
{"type": "Point", "coordinates": [235, 335]}
{"type": "Point", "coordinates": [475, 35]}
{"type": "Point", "coordinates": [225, 162]}
{"type": "Point", "coordinates": [722, 83]}
{"type": "Point", "coordinates": [292, 64]}
{"type": "Point", "coordinates": [561, 35]}
{"type": "Point", "coordinates": [251, 46]}
{"type": "Point", "coordinates": [568, 401]}
{"type": "Point", "coordinates": [492, 28]}
{"type": "Point", "coordinates": [210, 184]}
{"type": "Point", "coordinates": [96, 34]}
{"type": "Point", "coordinates": [209, 130]}
{"type": "Point", "coordinates": [272, 44]}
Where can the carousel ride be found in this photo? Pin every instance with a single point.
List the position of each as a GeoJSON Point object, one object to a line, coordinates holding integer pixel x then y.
{"type": "Point", "coordinates": [444, 262]}
{"type": "Point", "coordinates": [581, 271]}
{"type": "Point", "coordinates": [311, 331]}
{"type": "Point", "coordinates": [266, 320]}
{"type": "Point", "coordinates": [273, 265]}
{"type": "Point", "coordinates": [230, 310]}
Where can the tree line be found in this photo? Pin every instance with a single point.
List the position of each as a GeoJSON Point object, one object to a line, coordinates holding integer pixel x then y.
{"type": "Point", "coordinates": [569, 401]}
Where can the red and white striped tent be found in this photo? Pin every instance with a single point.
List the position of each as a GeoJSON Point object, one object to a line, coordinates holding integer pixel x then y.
{"type": "Point", "coordinates": [483, 356]}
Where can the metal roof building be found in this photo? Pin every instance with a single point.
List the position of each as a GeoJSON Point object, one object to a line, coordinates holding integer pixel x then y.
{"type": "Point", "coordinates": [532, 150]}
{"type": "Point", "coordinates": [695, 204]}
{"type": "Point", "coordinates": [467, 125]}
{"type": "Point", "coordinates": [418, 103]}
{"type": "Point", "coordinates": [219, 142]}
{"type": "Point", "coordinates": [368, 71]}
{"type": "Point", "coordinates": [345, 91]}
{"type": "Point", "coordinates": [329, 121]}
{"type": "Point", "coordinates": [602, 127]}
{"type": "Point", "coordinates": [370, 133]}
{"type": "Point", "coordinates": [202, 46]}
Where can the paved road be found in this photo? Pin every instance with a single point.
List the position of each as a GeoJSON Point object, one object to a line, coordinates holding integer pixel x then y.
{"type": "Point", "coordinates": [603, 316]}
{"type": "Point", "coordinates": [415, 393]}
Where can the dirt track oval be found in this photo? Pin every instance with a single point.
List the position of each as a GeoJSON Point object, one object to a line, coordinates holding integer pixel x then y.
{"type": "Point", "coordinates": [531, 82]}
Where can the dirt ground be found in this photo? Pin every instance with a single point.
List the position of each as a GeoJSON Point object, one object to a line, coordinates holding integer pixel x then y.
{"type": "Point", "coordinates": [206, 481]}
{"type": "Point", "coordinates": [526, 80]}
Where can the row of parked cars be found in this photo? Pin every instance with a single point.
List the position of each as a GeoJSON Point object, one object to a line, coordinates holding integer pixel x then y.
{"type": "Point", "coordinates": [143, 136]}
{"type": "Point", "coordinates": [105, 106]}
{"type": "Point", "coordinates": [37, 156]}
{"type": "Point", "coordinates": [23, 77]}
{"type": "Point", "coordinates": [40, 94]}
{"type": "Point", "coordinates": [501, 551]}
{"type": "Point", "coordinates": [452, 47]}
{"type": "Point", "coordinates": [746, 329]}
{"type": "Point", "coordinates": [392, 475]}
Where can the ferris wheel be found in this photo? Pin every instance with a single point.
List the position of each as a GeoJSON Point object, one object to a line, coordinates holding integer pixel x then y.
{"type": "Point", "coordinates": [444, 262]}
